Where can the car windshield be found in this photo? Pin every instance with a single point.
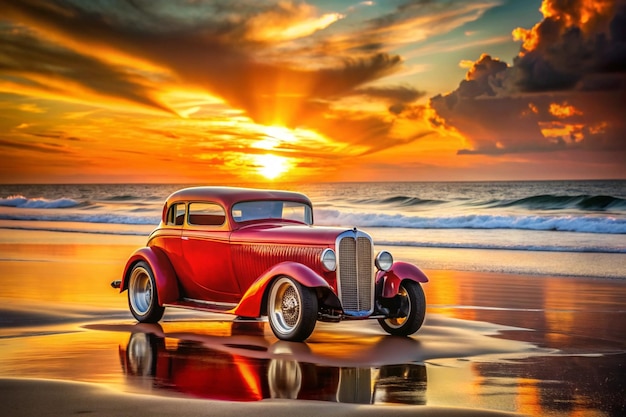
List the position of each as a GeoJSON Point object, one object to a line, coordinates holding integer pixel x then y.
{"type": "Point", "coordinates": [281, 210]}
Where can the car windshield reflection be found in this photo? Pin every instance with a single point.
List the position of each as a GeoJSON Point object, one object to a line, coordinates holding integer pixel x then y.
{"type": "Point", "coordinates": [274, 210]}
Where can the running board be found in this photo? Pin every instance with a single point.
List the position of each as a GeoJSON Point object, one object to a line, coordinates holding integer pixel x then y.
{"type": "Point", "coordinates": [203, 305]}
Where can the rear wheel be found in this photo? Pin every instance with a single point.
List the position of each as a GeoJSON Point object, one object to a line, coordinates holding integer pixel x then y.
{"type": "Point", "coordinates": [411, 304]}
{"type": "Point", "coordinates": [142, 294]}
{"type": "Point", "coordinates": [291, 309]}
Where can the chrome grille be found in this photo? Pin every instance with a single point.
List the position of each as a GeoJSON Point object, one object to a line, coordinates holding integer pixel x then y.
{"type": "Point", "coordinates": [355, 273]}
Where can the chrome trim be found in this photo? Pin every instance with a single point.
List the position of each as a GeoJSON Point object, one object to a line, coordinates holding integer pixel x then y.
{"type": "Point", "coordinates": [324, 252]}
{"type": "Point", "coordinates": [210, 303]}
{"type": "Point", "coordinates": [377, 261]}
{"type": "Point", "coordinates": [356, 267]}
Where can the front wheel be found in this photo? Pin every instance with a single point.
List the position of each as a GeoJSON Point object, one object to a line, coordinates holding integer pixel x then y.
{"type": "Point", "coordinates": [291, 310]}
{"type": "Point", "coordinates": [412, 305]}
{"type": "Point", "coordinates": [142, 294]}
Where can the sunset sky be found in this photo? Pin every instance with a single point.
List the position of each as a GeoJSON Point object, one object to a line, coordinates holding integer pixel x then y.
{"type": "Point", "coordinates": [231, 91]}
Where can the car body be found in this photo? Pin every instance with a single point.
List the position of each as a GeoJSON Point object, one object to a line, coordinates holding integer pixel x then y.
{"type": "Point", "coordinates": [255, 253]}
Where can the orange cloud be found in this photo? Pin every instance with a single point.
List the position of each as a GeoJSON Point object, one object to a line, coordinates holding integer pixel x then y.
{"type": "Point", "coordinates": [564, 110]}
{"type": "Point", "coordinates": [588, 16]}
{"type": "Point", "coordinates": [564, 91]}
{"type": "Point", "coordinates": [160, 89]}
{"type": "Point", "coordinates": [288, 21]}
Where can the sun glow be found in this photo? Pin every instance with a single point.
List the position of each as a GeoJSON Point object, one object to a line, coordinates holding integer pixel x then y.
{"type": "Point", "coordinates": [271, 166]}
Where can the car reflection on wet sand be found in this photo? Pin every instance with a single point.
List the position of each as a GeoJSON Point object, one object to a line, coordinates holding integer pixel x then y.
{"type": "Point", "coordinates": [246, 367]}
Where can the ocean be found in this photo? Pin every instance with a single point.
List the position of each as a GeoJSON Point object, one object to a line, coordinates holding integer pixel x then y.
{"type": "Point", "coordinates": [573, 228]}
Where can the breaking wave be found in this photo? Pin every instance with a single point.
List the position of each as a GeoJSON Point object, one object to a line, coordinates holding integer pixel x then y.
{"type": "Point", "coordinates": [509, 246]}
{"type": "Point", "coordinates": [548, 202]}
{"type": "Point", "coordinates": [581, 224]}
{"type": "Point", "coordinates": [561, 202]}
{"type": "Point", "coordinates": [402, 201]}
{"type": "Point", "coordinates": [20, 201]}
{"type": "Point", "coordinates": [108, 218]}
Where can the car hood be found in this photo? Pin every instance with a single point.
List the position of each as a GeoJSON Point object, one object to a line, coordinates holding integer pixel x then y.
{"type": "Point", "coordinates": [287, 234]}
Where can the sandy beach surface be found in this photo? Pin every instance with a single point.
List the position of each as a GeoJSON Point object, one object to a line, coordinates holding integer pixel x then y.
{"type": "Point", "coordinates": [492, 344]}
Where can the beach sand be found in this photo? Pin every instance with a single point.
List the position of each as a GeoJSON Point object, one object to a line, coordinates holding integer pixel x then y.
{"type": "Point", "coordinates": [492, 343]}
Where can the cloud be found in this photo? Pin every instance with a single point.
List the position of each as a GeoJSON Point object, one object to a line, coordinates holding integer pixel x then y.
{"type": "Point", "coordinates": [414, 21]}
{"type": "Point", "coordinates": [574, 41]}
{"type": "Point", "coordinates": [43, 148]}
{"type": "Point", "coordinates": [28, 63]}
{"type": "Point", "coordinates": [140, 51]}
{"type": "Point", "coordinates": [564, 91]}
{"type": "Point", "coordinates": [397, 97]}
{"type": "Point", "coordinates": [285, 63]}
{"type": "Point", "coordinates": [287, 21]}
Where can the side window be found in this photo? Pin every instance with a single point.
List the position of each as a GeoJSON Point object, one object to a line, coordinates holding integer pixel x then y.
{"type": "Point", "coordinates": [176, 214]}
{"type": "Point", "coordinates": [206, 214]}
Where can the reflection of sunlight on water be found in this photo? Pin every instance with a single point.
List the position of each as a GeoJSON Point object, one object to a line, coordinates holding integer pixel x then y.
{"type": "Point", "coordinates": [78, 356]}
{"type": "Point", "coordinates": [528, 400]}
{"type": "Point", "coordinates": [442, 365]}
{"type": "Point", "coordinates": [467, 363]}
{"type": "Point", "coordinates": [74, 274]}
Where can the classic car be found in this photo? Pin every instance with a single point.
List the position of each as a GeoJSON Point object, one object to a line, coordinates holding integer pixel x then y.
{"type": "Point", "coordinates": [255, 253]}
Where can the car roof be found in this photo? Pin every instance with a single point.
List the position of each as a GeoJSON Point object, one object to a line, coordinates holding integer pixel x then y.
{"type": "Point", "coordinates": [228, 196]}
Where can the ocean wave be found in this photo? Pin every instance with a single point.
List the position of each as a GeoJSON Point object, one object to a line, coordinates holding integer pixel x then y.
{"type": "Point", "coordinates": [332, 217]}
{"type": "Point", "coordinates": [66, 229]}
{"type": "Point", "coordinates": [581, 224]}
{"type": "Point", "coordinates": [499, 246]}
{"type": "Point", "coordinates": [105, 218]}
{"type": "Point", "coordinates": [126, 197]}
{"type": "Point", "coordinates": [561, 202]}
{"type": "Point", "coordinates": [20, 201]}
{"type": "Point", "coordinates": [548, 202]}
{"type": "Point", "coordinates": [402, 201]}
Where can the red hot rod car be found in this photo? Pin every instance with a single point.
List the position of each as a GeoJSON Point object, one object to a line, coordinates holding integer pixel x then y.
{"type": "Point", "coordinates": [253, 253]}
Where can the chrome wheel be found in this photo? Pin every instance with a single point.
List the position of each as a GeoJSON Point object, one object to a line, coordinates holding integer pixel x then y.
{"type": "Point", "coordinates": [291, 309]}
{"type": "Point", "coordinates": [141, 290]}
{"type": "Point", "coordinates": [142, 295]}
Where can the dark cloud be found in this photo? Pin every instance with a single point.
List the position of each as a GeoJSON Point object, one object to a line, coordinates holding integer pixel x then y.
{"type": "Point", "coordinates": [397, 97]}
{"type": "Point", "coordinates": [26, 59]}
{"type": "Point", "coordinates": [573, 60]}
{"type": "Point", "coordinates": [575, 40]}
{"type": "Point", "coordinates": [35, 147]}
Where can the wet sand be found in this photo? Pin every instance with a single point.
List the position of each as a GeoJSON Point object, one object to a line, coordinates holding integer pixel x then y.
{"type": "Point", "coordinates": [492, 343]}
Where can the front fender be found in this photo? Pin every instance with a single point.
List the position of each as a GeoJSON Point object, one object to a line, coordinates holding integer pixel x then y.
{"type": "Point", "coordinates": [164, 275]}
{"type": "Point", "coordinates": [252, 300]}
{"type": "Point", "coordinates": [399, 271]}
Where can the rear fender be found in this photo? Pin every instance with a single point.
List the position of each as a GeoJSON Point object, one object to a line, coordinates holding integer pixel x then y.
{"type": "Point", "coordinates": [164, 275]}
{"type": "Point", "coordinates": [253, 300]}
{"type": "Point", "coordinates": [398, 272]}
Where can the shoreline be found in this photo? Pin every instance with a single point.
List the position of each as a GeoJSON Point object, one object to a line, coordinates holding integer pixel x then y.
{"type": "Point", "coordinates": [491, 341]}
{"type": "Point", "coordinates": [28, 397]}
{"type": "Point", "coordinates": [602, 265]}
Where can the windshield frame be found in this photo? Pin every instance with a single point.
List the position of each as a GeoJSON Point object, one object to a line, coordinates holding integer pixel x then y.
{"type": "Point", "coordinates": [272, 210]}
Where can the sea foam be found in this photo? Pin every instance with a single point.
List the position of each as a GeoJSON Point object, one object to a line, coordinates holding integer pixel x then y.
{"type": "Point", "coordinates": [40, 203]}
{"type": "Point", "coordinates": [583, 224]}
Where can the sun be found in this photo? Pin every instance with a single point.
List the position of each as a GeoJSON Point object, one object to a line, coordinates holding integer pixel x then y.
{"type": "Point", "coordinates": [271, 166]}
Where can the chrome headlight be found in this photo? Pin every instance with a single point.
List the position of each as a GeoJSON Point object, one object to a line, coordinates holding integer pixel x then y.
{"type": "Point", "coordinates": [384, 260]}
{"type": "Point", "coordinates": [329, 260]}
